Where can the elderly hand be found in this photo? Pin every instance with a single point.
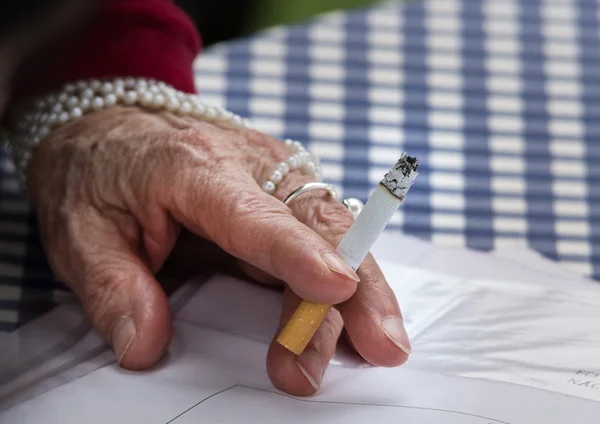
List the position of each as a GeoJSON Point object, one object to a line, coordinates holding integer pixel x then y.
{"type": "Point", "coordinates": [114, 188]}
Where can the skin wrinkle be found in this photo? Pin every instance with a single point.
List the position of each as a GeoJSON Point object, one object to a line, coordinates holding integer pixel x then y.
{"type": "Point", "coordinates": [153, 178]}
{"type": "Point", "coordinates": [305, 251]}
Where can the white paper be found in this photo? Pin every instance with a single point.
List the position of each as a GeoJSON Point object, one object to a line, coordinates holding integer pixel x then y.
{"type": "Point", "coordinates": [455, 322]}
{"type": "Point", "coordinates": [212, 377]}
{"type": "Point", "coordinates": [507, 264]}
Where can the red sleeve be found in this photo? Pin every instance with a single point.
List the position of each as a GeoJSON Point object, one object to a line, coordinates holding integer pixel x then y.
{"type": "Point", "coordinates": [139, 38]}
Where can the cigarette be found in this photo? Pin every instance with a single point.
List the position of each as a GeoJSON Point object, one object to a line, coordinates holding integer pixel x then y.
{"type": "Point", "coordinates": [354, 247]}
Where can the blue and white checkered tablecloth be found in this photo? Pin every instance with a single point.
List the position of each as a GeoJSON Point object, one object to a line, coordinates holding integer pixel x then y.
{"type": "Point", "coordinates": [500, 100]}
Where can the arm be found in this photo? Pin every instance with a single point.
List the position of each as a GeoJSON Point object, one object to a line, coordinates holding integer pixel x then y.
{"type": "Point", "coordinates": [139, 38]}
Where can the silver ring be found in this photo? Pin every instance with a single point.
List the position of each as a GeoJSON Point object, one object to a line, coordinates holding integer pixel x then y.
{"type": "Point", "coordinates": [312, 186]}
{"type": "Point", "coordinates": [355, 206]}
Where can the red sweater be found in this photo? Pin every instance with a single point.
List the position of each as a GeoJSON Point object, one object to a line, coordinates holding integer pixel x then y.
{"type": "Point", "coordinates": [138, 38]}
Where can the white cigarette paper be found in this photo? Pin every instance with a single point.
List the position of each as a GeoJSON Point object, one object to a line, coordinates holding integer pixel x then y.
{"type": "Point", "coordinates": [378, 211]}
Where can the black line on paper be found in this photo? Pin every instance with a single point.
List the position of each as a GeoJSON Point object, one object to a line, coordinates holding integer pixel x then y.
{"type": "Point", "coordinates": [203, 400]}
{"type": "Point", "coordinates": [492, 420]}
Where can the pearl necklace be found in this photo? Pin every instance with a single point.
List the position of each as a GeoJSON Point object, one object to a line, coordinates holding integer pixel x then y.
{"type": "Point", "coordinates": [39, 117]}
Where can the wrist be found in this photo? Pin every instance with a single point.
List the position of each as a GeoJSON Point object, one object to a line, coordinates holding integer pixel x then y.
{"type": "Point", "coordinates": [33, 120]}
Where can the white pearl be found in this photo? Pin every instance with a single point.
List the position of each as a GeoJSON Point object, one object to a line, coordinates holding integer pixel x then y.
{"type": "Point", "coordinates": [106, 88]}
{"type": "Point", "coordinates": [130, 98]}
{"type": "Point", "coordinates": [172, 104]}
{"type": "Point", "coordinates": [169, 91]}
{"type": "Point", "coordinates": [211, 112]}
{"type": "Point", "coordinates": [44, 118]}
{"type": "Point", "coordinates": [185, 108]}
{"type": "Point", "coordinates": [119, 92]}
{"type": "Point", "coordinates": [72, 102]}
{"type": "Point", "coordinates": [43, 131]}
{"type": "Point", "coordinates": [309, 167]}
{"type": "Point", "coordinates": [246, 123]}
{"type": "Point", "coordinates": [32, 129]}
{"type": "Point", "coordinates": [110, 99]}
{"type": "Point", "coordinates": [198, 110]}
{"type": "Point", "coordinates": [85, 104]}
{"type": "Point", "coordinates": [70, 88]}
{"type": "Point", "coordinates": [51, 99]}
{"type": "Point", "coordinates": [298, 146]}
{"type": "Point", "coordinates": [318, 176]}
{"type": "Point", "coordinates": [81, 85]}
{"type": "Point", "coordinates": [95, 85]}
{"type": "Point", "coordinates": [63, 97]}
{"type": "Point", "coordinates": [159, 101]}
{"type": "Point", "coordinates": [63, 117]}
{"type": "Point", "coordinates": [154, 89]}
{"type": "Point", "coordinates": [53, 118]}
{"type": "Point", "coordinates": [97, 103]}
{"type": "Point", "coordinates": [129, 82]}
{"type": "Point", "coordinates": [88, 93]}
{"type": "Point", "coordinates": [57, 108]}
{"type": "Point", "coordinates": [237, 120]}
{"type": "Point", "coordinates": [141, 84]}
{"type": "Point", "coordinates": [162, 84]}
{"type": "Point", "coordinates": [276, 177]}
{"type": "Point", "coordinates": [76, 112]}
{"type": "Point", "coordinates": [198, 104]}
{"type": "Point", "coordinates": [146, 99]}
{"type": "Point", "coordinates": [292, 162]}
{"type": "Point", "coordinates": [283, 168]}
{"type": "Point", "coordinates": [269, 187]}
{"type": "Point", "coordinates": [119, 82]}
{"type": "Point", "coordinates": [40, 104]}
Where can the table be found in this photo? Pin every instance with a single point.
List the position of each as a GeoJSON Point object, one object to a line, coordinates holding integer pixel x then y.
{"type": "Point", "coordinates": [500, 101]}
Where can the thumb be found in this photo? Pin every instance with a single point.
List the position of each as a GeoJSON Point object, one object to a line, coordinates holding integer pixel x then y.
{"type": "Point", "coordinates": [128, 307]}
{"type": "Point", "coordinates": [121, 297]}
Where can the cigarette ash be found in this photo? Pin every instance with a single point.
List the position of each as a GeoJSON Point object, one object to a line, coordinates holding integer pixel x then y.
{"type": "Point", "coordinates": [401, 176]}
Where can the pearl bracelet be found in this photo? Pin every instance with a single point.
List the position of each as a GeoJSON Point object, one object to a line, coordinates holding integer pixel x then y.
{"type": "Point", "coordinates": [38, 118]}
{"type": "Point", "coordinates": [299, 158]}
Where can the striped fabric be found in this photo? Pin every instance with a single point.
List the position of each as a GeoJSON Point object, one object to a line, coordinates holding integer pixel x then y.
{"type": "Point", "coordinates": [500, 101]}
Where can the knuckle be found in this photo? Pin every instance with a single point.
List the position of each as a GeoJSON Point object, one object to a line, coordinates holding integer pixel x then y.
{"type": "Point", "coordinates": [375, 292]}
{"type": "Point", "coordinates": [331, 221]}
{"type": "Point", "coordinates": [251, 218]}
{"type": "Point", "coordinates": [178, 152]}
{"type": "Point", "coordinates": [100, 292]}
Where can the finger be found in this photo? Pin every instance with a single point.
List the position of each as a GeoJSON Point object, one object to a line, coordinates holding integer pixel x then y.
{"type": "Point", "coordinates": [253, 226]}
{"type": "Point", "coordinates": [302, 375]}
{"type": "Point", "coordinates": [373, 319]}
{"type": "Point", "coordinates": [119, 293]}
{"type": "Point", "coordinates": [372, 315]}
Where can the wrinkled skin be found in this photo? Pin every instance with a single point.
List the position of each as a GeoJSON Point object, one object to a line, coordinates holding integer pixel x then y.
{"type": "Point", "coordinates": [113, 191]}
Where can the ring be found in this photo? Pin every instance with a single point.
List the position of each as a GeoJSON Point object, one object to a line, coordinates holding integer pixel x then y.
{"type": "Point", "coordinates": [311, 186]}
{"type": "Point", "coordinates": [355, 206]}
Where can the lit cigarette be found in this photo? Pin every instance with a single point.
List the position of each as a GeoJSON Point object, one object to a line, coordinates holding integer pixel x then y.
{"type": "Point", "coordinates": [354, 247]}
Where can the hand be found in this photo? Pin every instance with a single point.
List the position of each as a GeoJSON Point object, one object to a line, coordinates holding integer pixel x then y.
{"type": "Point", "coordinates": [113, 191]}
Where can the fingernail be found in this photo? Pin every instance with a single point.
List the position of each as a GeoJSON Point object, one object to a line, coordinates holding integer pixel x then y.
{"type": "Point", "coordinates": [311, 366]}
{"type": "Point", "coordinates": [393, 327]}
{"type": "Point", "coordinates": [123, 336]}
{"type": "Point", "coordinates": [337, 265]}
